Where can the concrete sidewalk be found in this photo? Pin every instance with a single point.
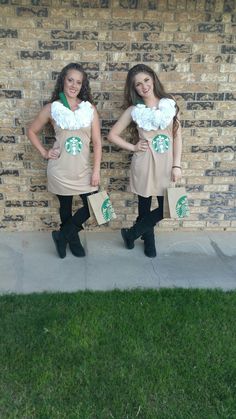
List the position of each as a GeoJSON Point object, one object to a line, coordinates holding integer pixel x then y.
{"type": "Point", "coordinates": [29, 262]}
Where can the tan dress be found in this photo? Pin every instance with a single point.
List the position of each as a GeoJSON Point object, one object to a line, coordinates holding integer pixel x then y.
{"type": "Point", "coordinates": [151, 170]}
{"type": "Point", "coordinates": [70, 174]}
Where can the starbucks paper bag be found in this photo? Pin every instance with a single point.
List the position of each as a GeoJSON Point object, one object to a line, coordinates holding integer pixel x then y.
{"type": "Point", "coordinates": [176, 203]}
{"type": "Point", "coordinates": [101, 207]}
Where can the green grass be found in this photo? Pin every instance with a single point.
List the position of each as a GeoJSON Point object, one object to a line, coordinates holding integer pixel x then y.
{"type": "Point", "coordinates": [138, 354]}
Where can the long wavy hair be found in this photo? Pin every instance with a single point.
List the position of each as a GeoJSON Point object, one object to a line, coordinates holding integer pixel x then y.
{"type": "Point", "coordinates": [85, 92]}
{"type": "Point", "coordinates": [131, 97]}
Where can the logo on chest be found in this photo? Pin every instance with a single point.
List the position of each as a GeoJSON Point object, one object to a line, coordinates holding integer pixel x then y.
{"type": "Point", "coordinates": [73, 145]}
{"type": "Point", "coordinates": [161, 143]}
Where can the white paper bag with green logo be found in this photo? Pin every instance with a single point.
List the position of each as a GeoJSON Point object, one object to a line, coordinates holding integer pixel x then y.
{"type": "Point", "coordinates": [176, 203]}
{"type": "Point", "coordinates": [101, 207]}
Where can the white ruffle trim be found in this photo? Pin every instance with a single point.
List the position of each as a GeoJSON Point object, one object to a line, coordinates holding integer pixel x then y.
{"type": "Point", "coordinates": [67, 119]}
{"type": "Point", "coordinates": [151, 119]}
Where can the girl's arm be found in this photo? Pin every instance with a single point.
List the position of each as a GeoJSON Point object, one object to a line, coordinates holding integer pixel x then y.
{"type": "Point", "coordinates": [122, 123]}
{"type": "Point", "coordinates": [177, 153]}
{"type": "Point", "coordinates": [34, 129]}
{"type": "Point", "coordinates": [97, 149]}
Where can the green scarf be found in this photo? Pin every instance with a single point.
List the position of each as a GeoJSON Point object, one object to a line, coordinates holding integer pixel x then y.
{"type": "Point", "coordinates": [139, 102]}
{"type": "Point", "coordinates": [63, 99]}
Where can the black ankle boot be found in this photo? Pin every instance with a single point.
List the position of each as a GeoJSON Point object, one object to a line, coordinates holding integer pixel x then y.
{"type": "Point", "coordinates": [149, 244]}
{"type": "Point", "coordinates": [60, 243]}
{"type": "Point", "coordinates": [68, 234]}
{"type": "Point", "coordinates": [127, 237]}
{"type": "Point", "coordinates": [76, 246]}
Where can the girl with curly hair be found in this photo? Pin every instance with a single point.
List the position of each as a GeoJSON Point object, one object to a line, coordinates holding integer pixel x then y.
{"type": "Point", "coordinates": [76, 123]}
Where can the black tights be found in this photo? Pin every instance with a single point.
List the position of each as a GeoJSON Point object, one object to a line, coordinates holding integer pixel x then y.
{"type": "Point", "coordinates": [80, 216]}
{"type": "Point", "coordinates": [144, 209]}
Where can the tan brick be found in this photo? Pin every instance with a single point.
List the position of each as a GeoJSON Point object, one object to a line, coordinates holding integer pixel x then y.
{"type": "Point", "coordinates": [219, 6]}
{"type": "Point", "coordinates": [201, 165]}
{"type": "Point", "coordinates": [216, 188]}
{"type": "Point", "coordinates": [122, 14]}
{"type": "Point", "coordinates": [66, 56]}
{"type": "Point", "coordinates": [223, 180]}
{"type": "Point", "coordinates": [83, 24]}
{"type": "Point", "coordinates": [190, 17]}
{"type": "Point", "coordinates": [210, 115]}
{"type": "Point", "coordinates": [85, 46]}
{"type": "Point", "coordinates": [198, 195]}
{"type": "Point", "coordinates": [7, 11]}
{"type": "Point", "coordinates": [229, 105]}
{"type": "Point", "coordinates": [188, 37]}
{"type": "Point", "coordinates": [35, 34]}
{"type": "Point", "coordinates": [123, 36]}
{"type": "Point", "coordinates": [27, 44]}
{"type": "Point", "coordinates": [224, 157]}
{"type": "Point", "coordinates": [156, 15]}
{"type": "Point", "coordinates": [20, 22]}
{"type": "Point", "coordinates": [161, 37]}
{"type": "Point", "coordinates": [102, 14]}
{"type": "Point", "coordinates": [200, 5]}
{"type": "Point", "coordinates": [117, 76]}
{"type": "Point", "coordinates": [3, 43]}
{"type": "Point", "coordinates": [204, 180]}
{"type": "Point", "coordinates": [227, 87]}
{"type": "Point", "coordinates": [206, 48]}
{"type": "Point", "coordinates": [54, 23]}
{"type": "Point", "coordinates": [232, 78]}
{"type": "Point", "coordinates": [227, 165]}
{"type": "Point", "coordinates": [92, 56]}
{"type": "Point", "coordinates": [221, 78]}
{"type": "Point", "coordinates": [228, 26]}
{"type": "Point", "coordinates": [198, 210]}
{"type": "Point", "coordinates": [61, 12]}
{"type": "Point", "coordinates": [227, 135]}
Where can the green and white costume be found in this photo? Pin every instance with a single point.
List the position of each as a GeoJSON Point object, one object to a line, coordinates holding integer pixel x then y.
{"type": "Point", "coordinates": [151, 169]}
{"type": "Point", "coordinates": [70, 174]}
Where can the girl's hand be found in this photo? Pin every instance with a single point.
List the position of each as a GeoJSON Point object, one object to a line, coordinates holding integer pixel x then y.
{"type": "Point", "coordinates": [53, 154]}
{"type": "Point", "coordinates": [141, 145]}
{"type": "Point", "coordinates": [176, 174]}
{"type": "Point", "coordinates": [95, 179]}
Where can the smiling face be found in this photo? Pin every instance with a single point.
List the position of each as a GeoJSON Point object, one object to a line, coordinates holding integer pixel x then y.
{"type": "Point", "coordinates": [143, 84]}
{"type": "Point", "coordinates": [73, 83]}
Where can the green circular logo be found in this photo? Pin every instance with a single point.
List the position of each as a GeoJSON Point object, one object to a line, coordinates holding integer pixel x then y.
{"type": "Point", "coordinates": [182, 208]}
{"type": "Point", "coordinates": [107, 210]}
{"type": "Point", "coordinates": [73, 145]}
{"type": "Point", "coordinates": [161, 143]}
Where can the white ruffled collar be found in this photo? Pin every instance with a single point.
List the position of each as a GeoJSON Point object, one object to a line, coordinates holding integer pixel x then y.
{"type": "Point", "coordinates": [67, 119]}
{"type": "Point", "coordinates": [151, 119]}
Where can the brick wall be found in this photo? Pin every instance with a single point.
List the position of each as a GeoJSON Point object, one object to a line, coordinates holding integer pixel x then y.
{"type": "Point", "coordinates": [191, 45]}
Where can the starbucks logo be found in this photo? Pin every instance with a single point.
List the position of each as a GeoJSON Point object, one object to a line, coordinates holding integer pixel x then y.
{"type": "Point", "coordinates": [73, 145]}
{"type": "Point", "coordinates": [182, 208]}
{"type": "Point", "coordinates": [161, 143]}
{"type": "Point", "coordinates": [107, 210]}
